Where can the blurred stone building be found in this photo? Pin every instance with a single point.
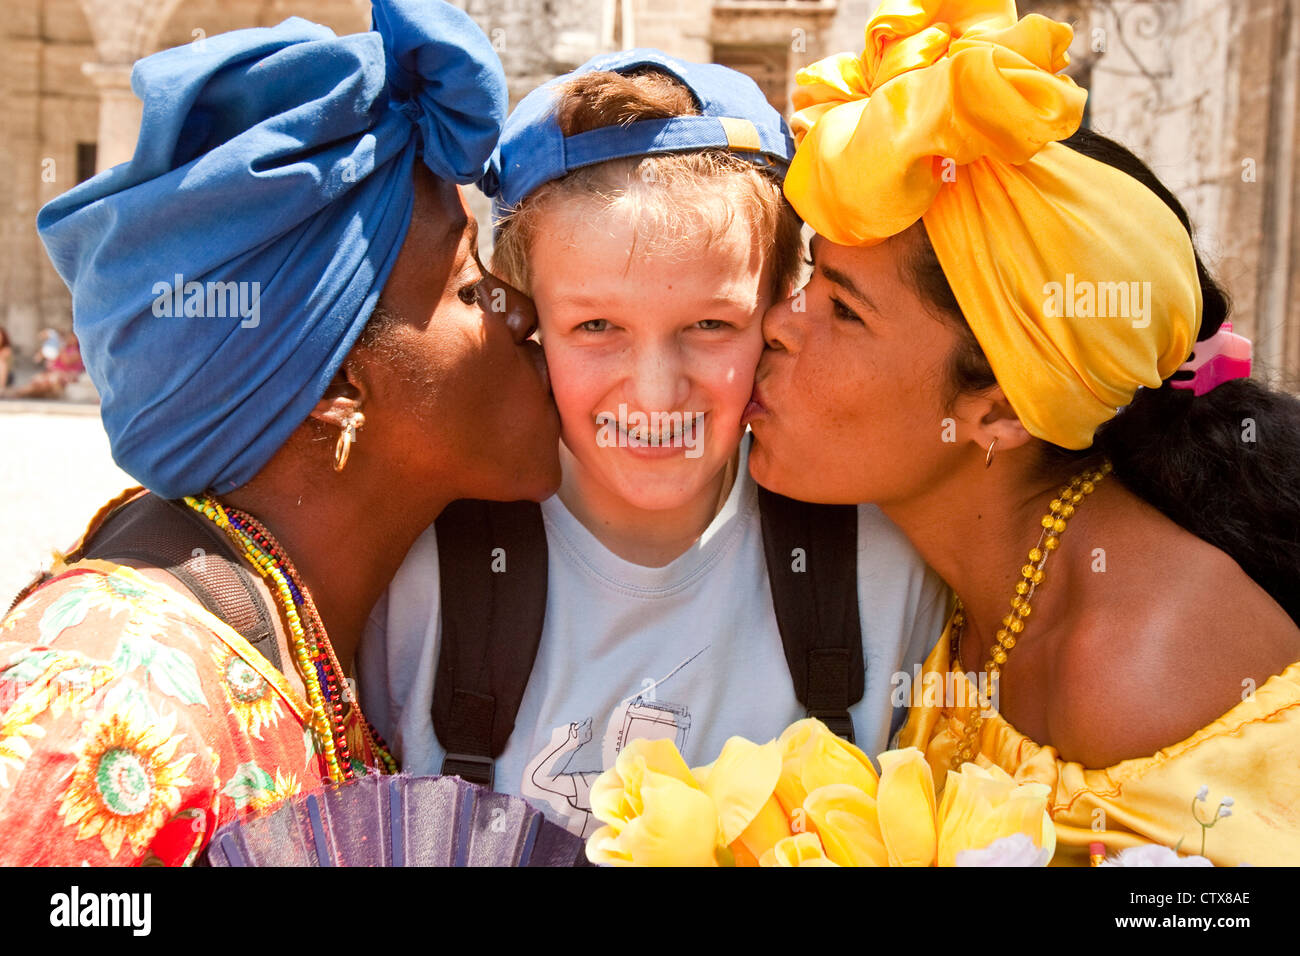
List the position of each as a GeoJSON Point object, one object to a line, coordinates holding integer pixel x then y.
{"type": "Point", "coordinates": [1208, 92]}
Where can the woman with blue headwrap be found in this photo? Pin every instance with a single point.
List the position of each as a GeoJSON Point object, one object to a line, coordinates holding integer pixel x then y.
{"type": "Point", "coordinates": [285, 265]}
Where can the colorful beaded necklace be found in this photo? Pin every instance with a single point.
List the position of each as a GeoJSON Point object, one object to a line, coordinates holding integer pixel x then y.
{"type": "Point", "coordinates": [1054, 522]}
{"type": "Point", "coordinates": [313, 653]}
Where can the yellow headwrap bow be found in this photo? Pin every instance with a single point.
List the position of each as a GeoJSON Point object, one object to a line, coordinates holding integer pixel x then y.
{"type": "Point", "coordinates": [1079, 282]}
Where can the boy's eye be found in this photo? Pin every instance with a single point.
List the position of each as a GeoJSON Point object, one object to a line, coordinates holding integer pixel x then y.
{"type": "Point", "coordinates": [709, 325]}
{"type": "Point", "coordinates": [842, 311]}
{"type": "Point", "coordinates": [594, 325]}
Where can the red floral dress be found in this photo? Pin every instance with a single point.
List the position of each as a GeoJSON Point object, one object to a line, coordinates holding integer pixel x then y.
{"type": "Point", "coordinates": [133, 724]}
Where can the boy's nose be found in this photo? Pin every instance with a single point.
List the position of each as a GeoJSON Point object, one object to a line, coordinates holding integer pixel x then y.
{"type": "Point", "coordinates": [659, 380]}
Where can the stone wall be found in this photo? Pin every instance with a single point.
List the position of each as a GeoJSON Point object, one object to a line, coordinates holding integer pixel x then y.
{"type": "Point", "coordinates": [537, 41]}
{"type": "Point", "coordinates": [51, 105]}
{"type": "Point", "coordinates": [1207, 94]}
{"type": "Point", "coordinates": [771, 41]}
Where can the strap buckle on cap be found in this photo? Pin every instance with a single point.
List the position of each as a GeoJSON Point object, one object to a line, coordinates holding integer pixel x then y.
{"type": "Point", "coordinates": [742, 134]}
{"type": "Point", "coordinates": [1220, 358]}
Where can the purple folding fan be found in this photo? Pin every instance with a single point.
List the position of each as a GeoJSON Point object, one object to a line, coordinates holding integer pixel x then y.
{"type": "Point", "coordinates": [398, 821]}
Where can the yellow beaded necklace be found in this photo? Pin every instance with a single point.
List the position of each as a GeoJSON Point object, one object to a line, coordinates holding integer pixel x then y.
{"type": "Point", "coordinates": [1013, 625]}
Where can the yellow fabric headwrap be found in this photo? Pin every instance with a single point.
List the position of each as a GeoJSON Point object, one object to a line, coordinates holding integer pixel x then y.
{"type": "Point", "coordinates": [1079, 282]}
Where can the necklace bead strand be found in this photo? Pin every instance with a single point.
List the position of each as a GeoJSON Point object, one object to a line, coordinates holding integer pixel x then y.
{"type": "Point", "coordinates": [324, 662]}
{"type": "Point", "coordinates": [265, 566]}
{"type": "Point", "coordinates": [303, 597]}
{"type": "Point", "coordinates": [1053, 524]}
{"type": "Point", "coordinates": [313, 653]}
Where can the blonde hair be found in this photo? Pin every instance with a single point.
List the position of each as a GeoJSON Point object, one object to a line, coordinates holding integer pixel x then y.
{"type": "Point", "coordinates": [678, 200]}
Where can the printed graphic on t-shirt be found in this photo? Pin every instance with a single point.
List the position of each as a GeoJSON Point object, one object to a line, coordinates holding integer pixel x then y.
{"type": "Point", "coordinates": [561, 775]}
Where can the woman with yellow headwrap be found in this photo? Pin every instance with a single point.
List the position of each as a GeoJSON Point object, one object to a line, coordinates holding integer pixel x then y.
{"type": "Point", "coordinates": [989, 348]}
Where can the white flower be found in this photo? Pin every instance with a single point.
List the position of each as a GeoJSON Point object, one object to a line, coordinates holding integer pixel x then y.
{"type": "Point", "coordinates": [1202, 793]}
{"type": "Point", "coordinates": [1018, 849]}
{"type": "Point", "coordinates": [1224, 811]}
{"type": "Point", "coordinates": [1153, 854]}
{"type": "Point", "coordinates": [1227, 801]}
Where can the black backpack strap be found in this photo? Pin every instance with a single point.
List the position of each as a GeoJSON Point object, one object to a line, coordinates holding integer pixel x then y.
{"type": "Point", "coordinates": [492, 561]}
{"type": "Point", "coordinates": [168, 535]}
{"type": "Point", "coordinates": [812, 564]}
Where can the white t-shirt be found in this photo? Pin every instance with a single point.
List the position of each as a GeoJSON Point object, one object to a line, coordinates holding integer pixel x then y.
{"type": "Point", "coordinates": [689, 651]}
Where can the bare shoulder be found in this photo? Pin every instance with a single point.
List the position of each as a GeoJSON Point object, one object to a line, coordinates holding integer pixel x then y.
{"type": "Point", "coordinates": [1173, 646]}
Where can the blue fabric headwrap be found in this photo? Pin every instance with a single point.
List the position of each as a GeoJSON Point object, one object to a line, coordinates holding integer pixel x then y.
{"type": "Point", "coordinates": [221, 276]}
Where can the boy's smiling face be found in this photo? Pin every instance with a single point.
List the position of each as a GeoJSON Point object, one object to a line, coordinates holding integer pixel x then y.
{"type": "Point", "coordinates": [658, 327]}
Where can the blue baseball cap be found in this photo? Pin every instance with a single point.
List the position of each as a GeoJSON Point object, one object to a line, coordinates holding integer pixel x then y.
{"type": "Point", "coordinates": [734, 115]}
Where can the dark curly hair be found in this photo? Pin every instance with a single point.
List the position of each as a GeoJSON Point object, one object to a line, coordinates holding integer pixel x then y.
{"type": "Point", "coordinates": [1193, 458]}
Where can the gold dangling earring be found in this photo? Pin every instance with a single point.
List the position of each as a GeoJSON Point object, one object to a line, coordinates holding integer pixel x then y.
{"type": "Point", "coordinates": [343, 447]}
{"type": "Point", "coordinates": [988, 459]}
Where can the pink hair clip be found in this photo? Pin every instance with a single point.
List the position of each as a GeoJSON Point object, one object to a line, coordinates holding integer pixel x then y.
{"type": "Point", "coordinates": [1220, 358]}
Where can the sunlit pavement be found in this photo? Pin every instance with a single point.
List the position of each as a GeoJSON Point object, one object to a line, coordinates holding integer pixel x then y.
{"type": "Point", "coordinates": [55, 472]}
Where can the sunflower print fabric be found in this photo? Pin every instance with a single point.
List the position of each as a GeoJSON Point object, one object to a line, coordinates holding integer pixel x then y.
{"type": "Point", "coordinates": [133, 724]}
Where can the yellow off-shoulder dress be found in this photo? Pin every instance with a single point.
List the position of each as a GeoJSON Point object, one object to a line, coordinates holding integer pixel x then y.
{"type": "Point", "coordinates": [1251, 754]}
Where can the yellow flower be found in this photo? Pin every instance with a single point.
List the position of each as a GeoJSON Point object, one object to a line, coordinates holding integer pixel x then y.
{"type": "Point", "coordinates": [769, 827]}
{"type": "Point", "coordinates": [67, 681]}
{"type": "Point", "coordinates": [905, 804]}
{"type": "Point", "coordinates": [11, 620]}
{"type": "Point", "coordinates": [806, 799]}
{"type": "Point", "coordinates": [812, 757]}
{"type": "Point", "coordinates": [126, 783]}
{"type": "Point", "coordinates": [802, 849]}
{"type": "Point", "coordinates": [253, 701]}
{"type": "Point", "coordinates": [73, 680]}
{"type": "Point", "coordinates": [654, 810]}
{"type": "Point", "coordinates": [17, 724]}
{"type": "Point", "coordinates": [282, 789]}
{"type": "Point", "coordinates": [741, 784]}
{"type": "Point", "coordinates": [847, 821]}
{"type": "Point", "coordinates": [981, 805]}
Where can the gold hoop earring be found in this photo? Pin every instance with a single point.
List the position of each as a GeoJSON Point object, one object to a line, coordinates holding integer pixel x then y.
{"type": "Point", "coordinates": [343, 447]}
{"type": "Point", "coordinates": [988, 459]}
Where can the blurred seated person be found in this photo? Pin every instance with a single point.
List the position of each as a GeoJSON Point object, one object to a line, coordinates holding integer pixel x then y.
{"type": "Point", "coordinates": [60, 353]}
{"type": "Point", "coordinates": [6, 359]}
